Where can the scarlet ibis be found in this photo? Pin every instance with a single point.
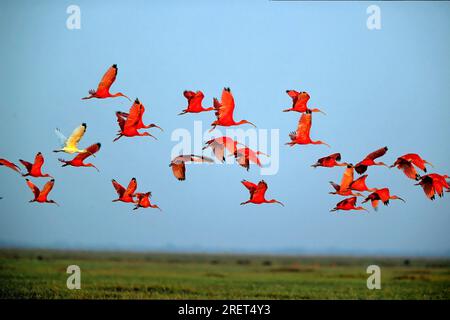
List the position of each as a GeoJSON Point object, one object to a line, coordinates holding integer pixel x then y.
{"type": "Point", "coordinates": [383, 195]}
{"type": "Point", "coordinates": [103, 87]}
{"type": "Point", "coordinates": [41, 196]}
{"type": "Point", "coordinates": [140, 124]}
{"type": "Point", "coordinates": [257, 193]}
{"type": "Point", "coordinates": [6, 163]}
{"type": "Point", "coordinates": [179, 167]}
{"type": "Point", "coordinates": [194, 102]}
{"type": "Point", "coordinates": [360, 184]}
{"type": "Point", "coordinates": [300, 102]}
{"type": "Point", "coordinates": [361, 166]}
{"type": "Point", "coordinates": [224, 111]}
{"type": "Point", "coordinates": [347, 204]}
{"type": "Point", "coordinates": [143, 201]}
{"type": "Point", "coordinates": [246, 155]}
{"type": "Point", "coordinates": [407, 167]}
{"type": "Point", "coordinates": [218, 146]}
{"type": "Point", "coordinates": [301, 136]}
{"type": "Point", "coordinates": [70, 145]}
{"type": "Point", "coordinates": [344, 188]}
{"type": "Point", "coordinates": [406, 162]}
{"type": "Point", "coordinates": [434, 183]}
{"type": "Point", "coordinates": [34, 169]}
{"type": "Point", "coordinates": [125, 195]}
{"type": "Point", "coordinates": [130, 122]}
{"type": "Point", "coordinates": [78, 161]}
{"type": "Point", "coordinates": [330, 161]}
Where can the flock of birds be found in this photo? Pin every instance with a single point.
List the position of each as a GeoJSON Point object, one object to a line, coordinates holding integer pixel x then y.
{"type": "Point", "coordinates": [131, 125]}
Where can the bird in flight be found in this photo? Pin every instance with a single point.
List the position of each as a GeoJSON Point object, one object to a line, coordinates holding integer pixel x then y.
{"type": "Point", "coordinates": [224, 111]}
{"type": "Point", "coordinates": [70, 144]}
{"type": "Point", "coordinates": [330, 161]}
{"type": "Point", "coordinates": [300, 102]}
{"type": "Point", "coordinates": [41, 196]}
{"type": "Point", "coordinates": [125, 195]}
{"type": "Point", "coordinates": [381, 195]}
{"type": "Point", "coordinates": [35, 169]}
{"type": "Point", "coordinates": [246, 155]}
{"type": "Point", "coordinates": [218, 146]}
{"type": "Point", "coordinates": [369, 160]}
{"type": "Point", "coordinates": [257, 193]}
{"type": "Point", "coordinates": [347, 204]}
{"type": "Point", "coordinates": [131, 122]}
{"type": "Point", "coordinates": [6, 163]}
{"type": "Point", "coordinates": [302, 135]}
{"type": "Point", "coordinates": [407, 162]}
{"type": "Point", "coordinates": [143, 201]}
{"type": "Point", "coordinates": [344, 188]}
{"type": "Point", "coordinates": [434, 183]}
{"type": "Point", "coordinates": [194, 102]}
{"type": "Point", "coordinates": [78, 161]}
{"type": "Point", "coordinates": [179, 167]}
{"type": "Point", "coordinates": [360, 184]}
{"type": "Point", "coordinates": [102, 91]}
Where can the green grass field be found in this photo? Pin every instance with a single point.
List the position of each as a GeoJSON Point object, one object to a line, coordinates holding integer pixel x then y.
{"type": "Point", "coordinates": [42, 274]}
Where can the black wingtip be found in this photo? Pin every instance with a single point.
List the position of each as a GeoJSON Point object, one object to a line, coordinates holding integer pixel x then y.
{"type": "Point", "coordinates": [114, 66]}
{"type": "Point", "coordinates": [137, 101]}
{"type": "Point", "coordinates": [99, 144]}
{"type": "Point", "coordinates": [84, 124]}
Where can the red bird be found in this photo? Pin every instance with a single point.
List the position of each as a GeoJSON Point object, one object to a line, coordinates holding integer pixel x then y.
{"type": "Point", "coordinates": [218, 146]}
{"type": "Point", "coordinates": [78, 161]}
{"type": "Point", "coordinates": [34, 169]}
{"type": "Point", "coordinates": [434, 183]}
{"type": "Point", "coordinates": [4, 162]}
{"type": "Point", "coordinates": [131, 122]}
{"type": "Point", "coordinates": [125, 195]}
{"type": "Point", "coordinates": [246, 155]}
{"type": "Point", "coordinates": [361, 167]}
{"type": "Point", "coordinates": [143, 201]}
{"type": "Point", "coordinates": [301, 136]}
{"type": "Point", "coordinates": [41, 196]}
{"type": "Point", "coordinates": [381, 194]}
{"type": "Point", "coordinates": [300, 102]}
{"type": "Point", "coordinates": [257, 193]}
{"type": "Point", "coordinates": [406, 162]}
{"type": "Point", "coordinates": [344, 188]}
{"type": "Point", "coordinates": [347, 204]}
{"type": "Point", "coordinates": [360, 185]}
{"type": "Point", "coordinates": [330, 161]}
{"type": "Point", "coordinates": [103, 87]}
{"type": "Point", "coordinates": [224, 111]}
{"type": "Point", "coordinates": [194, 102]}
{"type": "Point", "coordinates": [140, 124]}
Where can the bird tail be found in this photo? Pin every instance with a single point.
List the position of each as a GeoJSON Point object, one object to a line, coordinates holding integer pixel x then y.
{"type": "Point", "coordinates": [65, 163]}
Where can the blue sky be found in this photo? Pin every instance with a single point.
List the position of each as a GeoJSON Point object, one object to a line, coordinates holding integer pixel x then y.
{"type": "Point", "coordinates": [384, 87]}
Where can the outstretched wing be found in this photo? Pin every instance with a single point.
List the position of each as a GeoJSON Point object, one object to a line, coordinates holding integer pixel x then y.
{"type": "Point", "coordinates": [335, 186]}
{"type": "Point", "coordinates": [188, 95]}
{"type": "Point", "coordinates": [33, 188]}
{"type": "Point", "coordinates": [89, 152]}
{"type": "Point", "coordinates": [359, 184]}
{"type": "Point", "coordinates": [38, 161]}
{"type": "Point", "coordinates": [4, 162]}
{"type": "Point", "coordinates": [134, 115]}
{"type": "Point", "coordinates": [347, 179]}
{"type": "Point", "coordinates": [304, 126]}
{"type": "Point", "coordinates": [261, 189]}
{"type": "Point", "coordinates": [108, 79]}
{"type": "Point", "coordinates": [75, 137]}
{"type": "Point", "coordinates": [61, 137]}
{"type": "Point", "coordinates": [377, 153]}
{"type": "Point", "coordinates": [195, 103]}
{"type": "Point", "coordinates": [335, 156]}
{"type": "Point", "coordinates": [225, 110]}
{"type": "Point", "coordinates": [119, 188]}
{"type": "Point", "coordinates": [47, 188]}
{"type": "Point", "coordinates": [121, 119]}
{"type": "Point", "coordinates": [26, 164]}
{"type": "Point", "coordinates": [294, 95]}
{"type": "Point", "coordinates": [250, 186]}
{"type": "Point", "coordinates": [132, 186]}
{"type": "Point", "coordinates": [195, 158]}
